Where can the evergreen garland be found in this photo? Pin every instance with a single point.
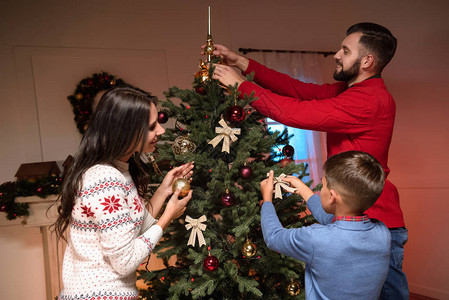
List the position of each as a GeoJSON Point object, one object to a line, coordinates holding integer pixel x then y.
{"type": "Point", "coordinates": [42, 187]}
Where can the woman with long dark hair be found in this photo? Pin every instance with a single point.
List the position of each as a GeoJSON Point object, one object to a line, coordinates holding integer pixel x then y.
{"type": "Point", "coordinates": [102, 201]}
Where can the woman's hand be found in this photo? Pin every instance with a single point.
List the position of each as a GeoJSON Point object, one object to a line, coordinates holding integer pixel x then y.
{"type": "Point", "coordinates": [165, 189]}
{"type": "Point", "coordinates": [182, 171]}
{"type": "Point", "coordinates": [174, 209]}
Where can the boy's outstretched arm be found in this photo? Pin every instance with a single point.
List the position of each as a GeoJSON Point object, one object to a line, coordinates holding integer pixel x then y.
{"type": "Point", "coordinates": [307, 194]}
{"type": "Point", "coordinates": [295, 242]}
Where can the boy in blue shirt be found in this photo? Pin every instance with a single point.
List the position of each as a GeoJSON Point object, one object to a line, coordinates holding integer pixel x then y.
{"type": "Point", "coordinates": [347, 255]}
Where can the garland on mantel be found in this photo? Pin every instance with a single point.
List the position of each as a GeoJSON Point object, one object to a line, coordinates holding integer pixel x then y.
{"type": "Point", "coordinates": [83, 97]}
{"type": "Point", "coordinates": [9, 191]}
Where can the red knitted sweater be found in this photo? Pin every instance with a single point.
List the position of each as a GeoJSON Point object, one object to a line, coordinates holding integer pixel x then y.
{"type": "Point", "coordinates": [357, 118]}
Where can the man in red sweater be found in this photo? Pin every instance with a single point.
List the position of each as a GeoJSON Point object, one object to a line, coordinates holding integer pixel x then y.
{"type": "Point", "coordinates": [357, 113]}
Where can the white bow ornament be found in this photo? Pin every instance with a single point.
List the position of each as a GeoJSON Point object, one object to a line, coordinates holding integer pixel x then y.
{"type": "Point", "coordinates": [279, 183]}
{"type": "Point", "coordinates": [197, 230]}
{"type": "Point", "coordinates": [225, 133]}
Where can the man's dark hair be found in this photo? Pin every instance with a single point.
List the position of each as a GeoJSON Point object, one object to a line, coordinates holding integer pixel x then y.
{"type": "Point", "coordinates": [357, 176]}
{"type": "Point", "coordinates": [376, 40]}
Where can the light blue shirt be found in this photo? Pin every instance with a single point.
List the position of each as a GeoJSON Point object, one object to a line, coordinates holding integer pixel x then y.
{"type": "Point", "coordinates": [344, 259]}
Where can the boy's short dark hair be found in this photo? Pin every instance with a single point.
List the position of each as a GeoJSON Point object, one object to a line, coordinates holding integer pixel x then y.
{"type": "Point", "coordinates": [357, 176]}
{"type": "Point", "coordinates": [377, 40]}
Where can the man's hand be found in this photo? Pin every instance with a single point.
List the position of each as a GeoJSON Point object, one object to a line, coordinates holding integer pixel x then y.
{"type": "Point", "coordinates": [229, 57]}
{"type": "Point", "coordinates": [227, 75]}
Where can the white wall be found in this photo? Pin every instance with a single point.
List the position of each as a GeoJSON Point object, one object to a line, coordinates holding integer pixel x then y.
{"type": "Point", "coordinates": [46, 47]}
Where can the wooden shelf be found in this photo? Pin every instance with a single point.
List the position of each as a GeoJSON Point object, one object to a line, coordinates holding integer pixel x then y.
{"type": "Point", "coordinates": [43, 211]}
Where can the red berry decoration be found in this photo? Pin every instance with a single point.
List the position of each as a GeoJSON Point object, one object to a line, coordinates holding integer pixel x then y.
{"type": "Point", "coordinates": [227, 198]}
{"type": "Point", "coordinates": [235, 114]}
{"type": "Point", "coordinates": [200, 90]}
{"type": "Point", "coordinates": [288, 151]}
{"type": "Point", "coordinates": [210, 263]}
{"type": "Point", "coordinates": [284, 162]}
{"type": "Point", "coordinates": [162, 117]}
{"type": "Point", "coordinates": [245, 172]}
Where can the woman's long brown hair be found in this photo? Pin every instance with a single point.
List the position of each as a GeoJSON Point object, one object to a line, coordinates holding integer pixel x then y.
{"type": "Point", "coordinates": [119, 123]}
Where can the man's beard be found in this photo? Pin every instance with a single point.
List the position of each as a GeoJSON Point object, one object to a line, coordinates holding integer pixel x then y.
{"type": "Point", "coordinates": [348, 75]}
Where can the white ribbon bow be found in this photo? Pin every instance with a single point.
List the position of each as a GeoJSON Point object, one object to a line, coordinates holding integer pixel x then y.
{"type": "Point", "coordinates": [197, 230]}
{"type": "Point", "coordinates": [279, 183]}
{"type": "Point", "coordinates": [225, 133]}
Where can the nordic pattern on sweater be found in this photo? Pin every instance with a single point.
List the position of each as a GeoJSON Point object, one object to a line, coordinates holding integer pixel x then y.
{"type": "Point", "coordinates": [111, 234]}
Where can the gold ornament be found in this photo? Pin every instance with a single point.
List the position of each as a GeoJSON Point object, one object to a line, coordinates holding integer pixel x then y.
{"type": "Point", "coordinates": [183, 144]}
{"type": "Point", "coordinates": [203, 72]}
{"type": "Point", "coordinates": [112, 82]}
{"type": "Point", "coordinates": [293, 288]}
{"type": "Point", "coordinates": [181, 184]}
{"type": "Point", "coordinates": [209, 48]}
{"type": "Point", "coordinates": [79, 96]}
{"type": "Point", "coordinates": [249, 249]}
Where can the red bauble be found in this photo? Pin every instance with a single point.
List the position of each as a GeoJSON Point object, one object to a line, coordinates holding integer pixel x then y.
{"type": "Point", "coordinates": [235, 114]}
{"type": "Point", "coordinates": [210, 263]}
{"type": "Point", "coordinates": [200, 90]}
{"type": "Point", "coordinates": [288, 151]}
{"type": "Point", "coordinates": [162, 117]}
{"type": "Point", "coordinates": [227, 198]}
{"type": "Point", "coordinates": [245, 172]}
{"type": "Point", "coordinates": [284, 162]}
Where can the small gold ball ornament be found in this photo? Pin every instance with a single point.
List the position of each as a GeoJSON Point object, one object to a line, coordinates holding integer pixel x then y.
{"type": "Point", "coordinates": [79, 96]}
{"type": "Point", "coordinates": [293, 288]}
{"type": "Point", "coordinates": [249, 249]}
{"type": "Point", "coordinates": [181, 184]}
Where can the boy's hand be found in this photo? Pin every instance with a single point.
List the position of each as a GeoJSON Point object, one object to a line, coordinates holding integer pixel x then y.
{"type": "Point", "coordinates": [294, 181]}
{"type": "Point", "coordinates": [266, 187]}
{"type": "Point", "coordinates": [301, 188]}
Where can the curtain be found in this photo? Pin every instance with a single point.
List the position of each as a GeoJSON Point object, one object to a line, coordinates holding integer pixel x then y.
{"type": "Point", "coordinates": [309, 145]}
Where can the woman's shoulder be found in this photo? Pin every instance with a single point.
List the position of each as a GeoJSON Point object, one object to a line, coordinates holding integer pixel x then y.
{"type": "Point", "coordinates": [103, 171]}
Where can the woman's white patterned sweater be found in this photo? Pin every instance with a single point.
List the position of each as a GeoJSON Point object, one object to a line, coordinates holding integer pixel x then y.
{"type": "Point", "coordinates": [111, 234]}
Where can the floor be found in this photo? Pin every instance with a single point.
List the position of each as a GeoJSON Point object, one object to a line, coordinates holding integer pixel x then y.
{"type": "Point", "coordinates": [419, 297]}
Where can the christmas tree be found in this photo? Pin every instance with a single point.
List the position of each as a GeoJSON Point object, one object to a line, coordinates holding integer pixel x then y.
{"type": "Point", "coordinates": [233, 151]}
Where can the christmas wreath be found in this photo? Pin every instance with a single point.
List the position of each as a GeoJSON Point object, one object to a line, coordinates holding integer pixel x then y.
{"type": "Point", "coordinates": [82, 103]}
{"type": "Point", "coordinates": [83, 97]}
